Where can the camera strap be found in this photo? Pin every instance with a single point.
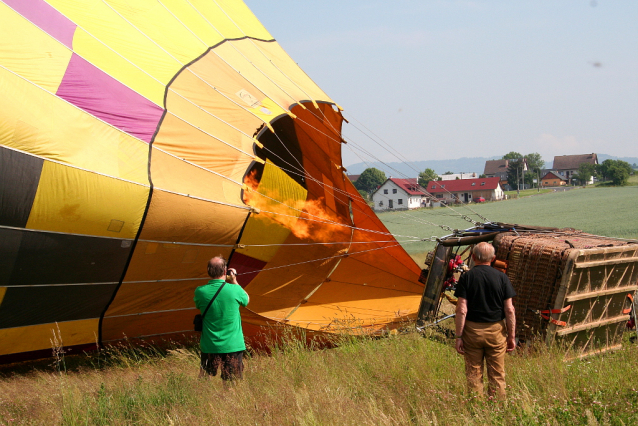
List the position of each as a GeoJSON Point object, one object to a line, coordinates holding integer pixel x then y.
{"type": "Point", "coordinates": [211, 300]}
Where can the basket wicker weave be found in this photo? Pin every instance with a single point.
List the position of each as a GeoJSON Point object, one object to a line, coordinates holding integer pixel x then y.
{"type": "Point", "coordinates": [550, 270]}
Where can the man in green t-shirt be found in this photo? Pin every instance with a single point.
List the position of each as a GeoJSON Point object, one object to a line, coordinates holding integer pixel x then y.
{"type": "Point", "coordinates": [222, 341]}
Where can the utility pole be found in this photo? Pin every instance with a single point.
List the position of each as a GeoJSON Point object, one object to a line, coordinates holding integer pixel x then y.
{"type": "Point", "coordinates": [518, 181]}
{"type": "Point", "coordinates": [538, 179]}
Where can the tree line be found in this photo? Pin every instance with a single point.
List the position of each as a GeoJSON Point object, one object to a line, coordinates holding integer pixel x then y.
{"type": "Point", "coordinates": [615, 171]}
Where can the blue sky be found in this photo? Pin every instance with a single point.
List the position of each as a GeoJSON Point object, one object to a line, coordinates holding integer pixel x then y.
{"type": "Point", "coordinates": [442, 79]}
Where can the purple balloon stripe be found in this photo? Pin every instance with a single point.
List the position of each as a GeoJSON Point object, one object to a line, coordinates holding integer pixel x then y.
{"type": "Point", "coordinates": [99, 94]}
{"type": "Point", "coordinates": [47, 18]}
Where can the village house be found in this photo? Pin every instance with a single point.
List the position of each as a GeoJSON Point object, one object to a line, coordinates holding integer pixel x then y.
{"type": "Point", "coordinates": [466, 190]}
{"type": "Point", "coordinates": [553, 178]}
{"type": "Point", "coordinates": [567, 165]}
{"type": "Point", "coordinates": [455, 176]}
{"type": "Point", "coordinates": [399, 194]}
{"type": "Point", "coordinates": [496, 168]}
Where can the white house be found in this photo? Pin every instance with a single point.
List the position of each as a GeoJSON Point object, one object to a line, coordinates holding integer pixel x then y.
{"type": "Point", "coordinates": [399, 194]}
{"type": "Point", "coordinates": [455, 176]}
{"type": "Point", "coordinates": [466, 190]}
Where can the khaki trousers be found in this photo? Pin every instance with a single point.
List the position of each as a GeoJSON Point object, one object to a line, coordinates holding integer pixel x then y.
{"type": "Point", "coordinates": [485, 341]}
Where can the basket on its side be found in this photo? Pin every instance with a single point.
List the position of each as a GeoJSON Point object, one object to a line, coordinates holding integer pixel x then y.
{"type": "Point", "coordinates": [571, 287]}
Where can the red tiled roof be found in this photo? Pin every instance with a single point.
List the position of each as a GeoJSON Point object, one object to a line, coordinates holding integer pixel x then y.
{"type": "Point", "coordinates": [553, 175]}
{"type": "Point", "coordinates": [410, 185]}
{"type": "Point", "coordinates": [463, 185]}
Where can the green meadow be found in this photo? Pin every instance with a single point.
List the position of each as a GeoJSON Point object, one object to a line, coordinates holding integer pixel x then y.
{"type": "Point", "coordinates": [400, 379]}
{"type": "Point", "coordinates": [611, 212]}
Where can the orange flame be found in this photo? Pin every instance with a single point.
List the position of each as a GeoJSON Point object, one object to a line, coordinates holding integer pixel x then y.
{"type": "Point", "coordinates": [306, 219]}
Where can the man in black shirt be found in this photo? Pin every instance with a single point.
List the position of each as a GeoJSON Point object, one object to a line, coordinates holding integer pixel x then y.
{"type": "Point", "coordinates": [484, 301]}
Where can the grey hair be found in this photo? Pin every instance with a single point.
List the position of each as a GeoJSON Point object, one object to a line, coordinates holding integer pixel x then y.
{"type": "Point", "coordinates": [483, 252]}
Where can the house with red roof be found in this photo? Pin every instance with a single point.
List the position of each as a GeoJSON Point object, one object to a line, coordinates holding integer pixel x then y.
{"type": "Point", "coordinates": [466, 190]}
{"type": "Point", "coordinates": [553, 178]}
{"type": "Point", "coordinates": [399, 194]}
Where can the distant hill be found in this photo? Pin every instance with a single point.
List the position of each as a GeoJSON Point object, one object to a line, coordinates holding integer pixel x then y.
{"type": "Point", "coordinates": [397, 169]}
{"type": "Point", "coordinates": [630, 160]}
{"type": "Point", "coordinates": [464, 164]}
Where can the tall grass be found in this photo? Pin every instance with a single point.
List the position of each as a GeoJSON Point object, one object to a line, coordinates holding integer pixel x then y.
{"type": "Point", "coordinates": [397, 380]}
{"type": "Point", "coordinates": [403, 379]}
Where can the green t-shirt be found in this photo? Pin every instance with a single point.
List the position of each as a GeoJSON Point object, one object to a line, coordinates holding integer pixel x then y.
{"type": "Point", "coordinates": [222, 331]}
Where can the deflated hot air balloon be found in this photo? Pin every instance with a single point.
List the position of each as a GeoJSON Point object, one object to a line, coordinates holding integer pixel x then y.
{"type": "Point", "coordinates": [139, 138]}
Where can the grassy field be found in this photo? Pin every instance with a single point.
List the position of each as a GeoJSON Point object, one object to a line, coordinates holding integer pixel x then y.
{"type": "Point", "coordinates": [611, 212]}
{"type": "Point", "coordinates": [405, 379]}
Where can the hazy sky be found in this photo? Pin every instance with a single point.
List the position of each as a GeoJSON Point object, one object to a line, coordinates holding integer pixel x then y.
{"type": "Point", "coordinates": [443, 79]}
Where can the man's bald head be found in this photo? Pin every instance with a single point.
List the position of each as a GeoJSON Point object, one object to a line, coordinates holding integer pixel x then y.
{"type": "Point", "coordinates": [217, 268]}
{"type": "Point", "coordinates": [483, 252]}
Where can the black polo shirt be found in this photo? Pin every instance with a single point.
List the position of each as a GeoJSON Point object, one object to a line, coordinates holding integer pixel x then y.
{"type": "Point", "coordinates": [486, 290]}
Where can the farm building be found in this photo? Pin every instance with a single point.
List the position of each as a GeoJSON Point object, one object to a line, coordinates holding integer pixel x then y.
{"type": "Point", "coordinates": [567, 165]}
{"type": "Point", "coordinates": [399, 194]}
{"type": "Point", "coordinates": [466, 190]}
{"type": "Point", "coordinates": [455, 176]}
{"type": "Point", "coordinates": [496, 168]}
{"type": "Point", "coordinates": [553, 178]}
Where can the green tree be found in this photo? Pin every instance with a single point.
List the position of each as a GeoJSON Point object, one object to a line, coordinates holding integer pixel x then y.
{"type": "Point", "coordinates": [448, 173]}
{"type": "Point", "coordinates": [370, 180]}
{"type": "Point", "coordinates": [619, 171]}
{"type": "Point", "coordinates": [427, 176]}
{"type": "Point", "coordinates": [585, 172]}
{"type": "Point", "coordinates": [535, 162]}
{"type": "Point", "coordinates": [512, 155]}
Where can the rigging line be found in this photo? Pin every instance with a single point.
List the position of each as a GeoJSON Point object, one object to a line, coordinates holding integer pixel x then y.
{"type": "Point", "coordinates": [401, 173]}
{"type": "Point", "coordinates": [149, 75]}
{"type": "Point", "coordinates": [420, 188]}
{"type": "Point", "coordinates": [206, 82]}
{"type": "Point", "coordinates": [309, 214]}
{"type": "Point", "coordinates": [335, 189]}
{"type": "Point", "coordinates": [181, 243]}
{"type": "Point", "coordinates": [334, 243]}
{"type": "Point", "coordinates": [64, 164]}
{"type": "Point", "coordinates": [224, 38]}
{"type": "Point", "coordinates": [261, 51]}
{"type": "Point", "coordinates": [397, 153]}
{"type": "Point", "coordinates": [341, 224]}
{"type": "Point", "coordinates": [318, 260]}
{"type": "Point", "coordinates": [199, 77]}
{"type": "Point", "coordinates": [183, 66]}
{"type": "Point", "coordinates": [247, 60]}
{"type": "Point", "coordinates": [277, 67]}
{"type": "Point", "coordinates": [425, 222]}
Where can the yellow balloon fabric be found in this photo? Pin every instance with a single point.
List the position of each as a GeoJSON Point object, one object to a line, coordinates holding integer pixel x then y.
{"type": "Point", "coordinates": [140, 138]}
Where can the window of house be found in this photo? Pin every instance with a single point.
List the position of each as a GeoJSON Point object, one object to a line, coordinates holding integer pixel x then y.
{"type": "Point", "coordinates": [433, 186]}
{"type": "Point", "coordinates": [385, 191]}
{"type": "Point", "coordinates": [482, 183]}
{"type": "Point", "coordinates": [400, 201]}
{"type": "Point", "coordinates": [439, 195]}
{"type": "Point", "coordinates": [380, 203]}
{"type": "Point", "coordinates": [442, 186]}
{"type": "Point", "coordinates": [473, 183]}
{"type": "Point", "coordinates": [394, 191]}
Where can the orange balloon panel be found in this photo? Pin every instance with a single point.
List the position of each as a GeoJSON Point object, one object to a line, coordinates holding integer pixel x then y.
{"type": "Point", "coordinates": [136, 146]}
